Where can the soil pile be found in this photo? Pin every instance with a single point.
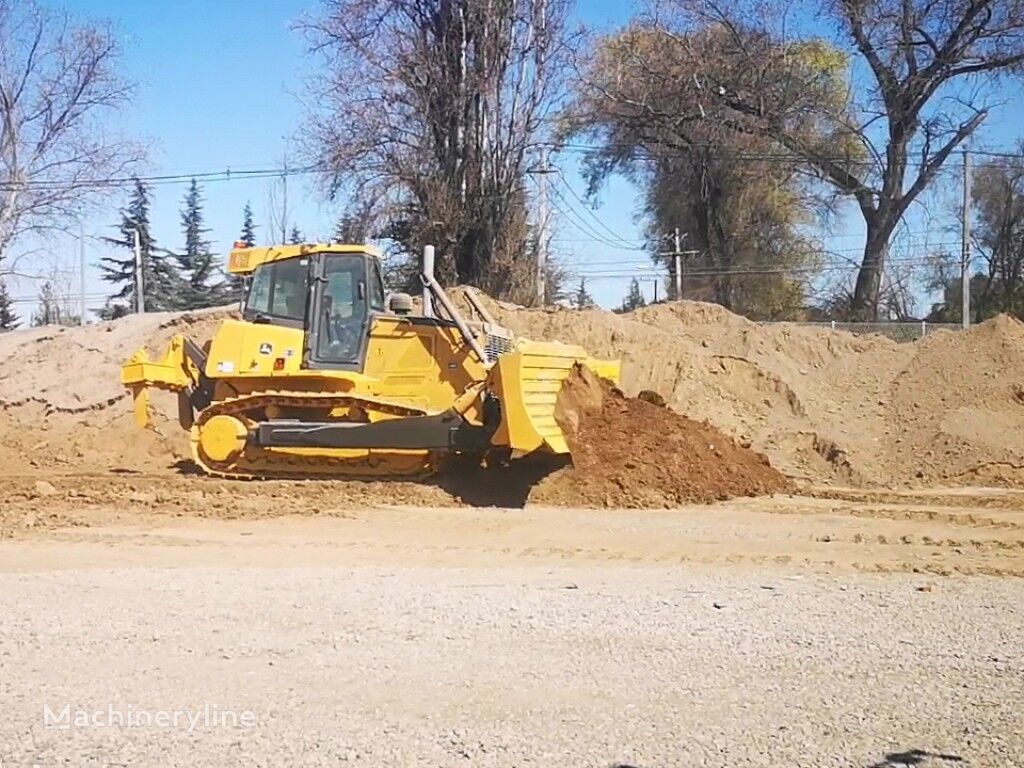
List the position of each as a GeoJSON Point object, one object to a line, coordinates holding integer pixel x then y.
{"type": "Point", "coordinates": [824, 406]}
{"type": "Point", "coordinates": [636, 453]}
{"type": "Point", "coordinates": [812, 399]}
{"type": "Point", "coordinates": [62, 405]}
{"type": "Point", "coordinates": [955, 414]}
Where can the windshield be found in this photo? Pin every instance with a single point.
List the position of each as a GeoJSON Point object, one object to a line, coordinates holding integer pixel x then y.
{"type": "Point", "coordinates": [342, 309]}
{"type": "Point", "coordinates": [279, 290]}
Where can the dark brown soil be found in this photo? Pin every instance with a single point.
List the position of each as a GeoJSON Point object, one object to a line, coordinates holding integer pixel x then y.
{"type": "Point", "coordinates": [636, 453]}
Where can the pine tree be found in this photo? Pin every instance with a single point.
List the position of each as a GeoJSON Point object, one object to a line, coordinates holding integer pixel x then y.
{"type": "Point", "coordinates": [162, 285]}
{"type": "Point", "coordinates": [195, 264]}
{"type": "Point", "coordinates": [235, 287]}
{"type": "Point", "coordinates": [8, 319]}
{"type": "Point", "coordinates": [248, 236]}
{"type": "Point", "coordinates": [582, 298]}
{"type": "Point", "coordinates": [295, 238]}
{"type": "Point", "coordinates": [350, 230]}
{"type": "Point", "coordinates": [634, 298]}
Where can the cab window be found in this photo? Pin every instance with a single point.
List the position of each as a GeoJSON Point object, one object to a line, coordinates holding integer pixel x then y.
{"type": "Point", "coordinates": [376, 289]}
{"type": "Point", "coordinates": [279, 290]}
{"type": "Point", "coordinates": [258, 300]}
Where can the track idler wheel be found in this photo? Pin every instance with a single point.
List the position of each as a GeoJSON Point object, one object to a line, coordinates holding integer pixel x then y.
{"type": "Point", "coordinates": [222, 438]}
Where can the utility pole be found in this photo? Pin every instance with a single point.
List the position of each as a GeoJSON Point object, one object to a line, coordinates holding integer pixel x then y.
{"type": "Point", "coordinates": [965, 246]}
{"type": "Point", "coordinates": [677, 253]}
{"type": "Point", "coordinates": [543, 222]}
{"type": "Point", "coordinates": [140, 283]}
{"type": "Point", "coordinates": [284, 203]}
{"type": "Point", "coordinates": [81, 270]}
{"type": "Point", "coordinates": [678, 258]}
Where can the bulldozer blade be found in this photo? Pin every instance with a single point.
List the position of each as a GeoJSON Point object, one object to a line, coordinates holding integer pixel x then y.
{"type": "Point", "coordinates": [527, 383]}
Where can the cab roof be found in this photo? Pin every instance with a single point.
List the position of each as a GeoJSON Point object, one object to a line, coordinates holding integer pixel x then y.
{"type": "Point", "coordinates": [242, 261]}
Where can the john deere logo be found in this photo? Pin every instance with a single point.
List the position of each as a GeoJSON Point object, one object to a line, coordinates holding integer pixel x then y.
{"type": "Point", "coordinates": [266, 348]}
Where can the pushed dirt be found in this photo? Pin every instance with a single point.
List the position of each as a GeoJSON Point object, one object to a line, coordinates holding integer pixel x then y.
{"type": "Point", "coordinates": [636, 453]}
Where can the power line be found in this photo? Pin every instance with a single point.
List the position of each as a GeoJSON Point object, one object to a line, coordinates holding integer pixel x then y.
{"type": "Point", "coordinates": [577, 223]}
{"type": "Point", "coordinates": [920, 253]}
{"type": "Point", "coordinates": [613, 262]}
{"type": "Point", "coordinates": [593, 267]}
{"type": "Point", "coordinates": [61, 297]}
{"type": "Point", "coordinates": [896, 243]}
{"type": "Point", "coordinates": [587, 149]}
{"type": "Point", "coordinates": [582, 226]}
{"type": "Point", "coordinates": [898, 234]}
{"type": "Point", "coordinates": [710, 272]}
{"type": "Point", "coordinates": [262, 172]}
{"type": "Point", "coordinates": [625, 241]}
{"type": "Point", "coordinates": [158, 180]}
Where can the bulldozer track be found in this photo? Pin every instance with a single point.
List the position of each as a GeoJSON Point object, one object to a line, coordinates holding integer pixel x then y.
{"type": "Point", "coordinates": [277, 465]}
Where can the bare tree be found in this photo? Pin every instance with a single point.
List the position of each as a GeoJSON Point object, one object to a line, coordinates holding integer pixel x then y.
{"type": "Point", "coordinates": [998, 242]}
{"type": "Point", "coordinates": [927, 64]}
{"type": "Point", "coordinates": [278, 210]}
{"type": "Point", "coordinates": [55, 303]}
{"type": "Point", "coordinates": [57, 82]}
{"type": "Point", "coordinates": [428, 112]}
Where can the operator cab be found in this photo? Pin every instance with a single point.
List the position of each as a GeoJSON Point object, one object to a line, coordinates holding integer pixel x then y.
{"type": "Point", "coordinates": [330, 295]}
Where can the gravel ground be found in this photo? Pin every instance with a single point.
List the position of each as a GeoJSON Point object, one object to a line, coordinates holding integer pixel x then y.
{"type": "Point", "coordinates": [512, 666]}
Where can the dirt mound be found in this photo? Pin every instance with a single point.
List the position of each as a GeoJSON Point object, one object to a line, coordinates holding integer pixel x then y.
{"type": "Point", "coordinates": [956, 411]}
{"type": "Point", "coordinates": [811, 399]}
{"type": "Point", "coordinates": [635, 453]}
{"type": "Point", "coordinates": [62, 405]}
{"type": "Point", "coordinates": [824, 406]}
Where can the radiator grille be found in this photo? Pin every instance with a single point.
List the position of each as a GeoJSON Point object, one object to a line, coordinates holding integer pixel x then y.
{"type": "Point", "coordinates": [496, 346]}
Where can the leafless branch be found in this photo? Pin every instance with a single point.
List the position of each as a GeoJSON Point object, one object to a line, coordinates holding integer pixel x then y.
{"type": "Point", "coordinates": [57, 83]}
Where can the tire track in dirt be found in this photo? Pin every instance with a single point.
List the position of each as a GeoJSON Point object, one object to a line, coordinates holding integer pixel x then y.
{"type": "Point", "coordinates": [791, 532]}
{"type": "Point", "coordinates": [906, 514]}
{"type": "Point", "coordinates": [460, 555]}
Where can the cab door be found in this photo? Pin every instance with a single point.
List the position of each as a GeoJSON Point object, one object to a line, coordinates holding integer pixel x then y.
{"type": "Point", "coordinates": [339, 315]}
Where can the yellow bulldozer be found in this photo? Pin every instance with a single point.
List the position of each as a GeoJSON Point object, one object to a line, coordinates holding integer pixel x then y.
{"type": "Point", "coordinates": [324, 375]}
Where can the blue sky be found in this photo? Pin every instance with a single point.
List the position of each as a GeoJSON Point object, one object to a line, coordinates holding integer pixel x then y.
{"type": "Point", "coordinates": [218, 86]}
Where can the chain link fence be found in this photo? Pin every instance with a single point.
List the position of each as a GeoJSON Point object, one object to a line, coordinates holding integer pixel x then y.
{"type": "Point", "coordinates": [895, 331]}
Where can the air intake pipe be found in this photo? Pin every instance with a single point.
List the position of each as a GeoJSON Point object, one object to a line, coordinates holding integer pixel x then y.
{"type": "Point", "coordinates": [428, 278]}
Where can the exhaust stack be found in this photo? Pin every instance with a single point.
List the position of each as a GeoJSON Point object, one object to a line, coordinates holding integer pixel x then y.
{"type": "Point", "coordinates": [428, 274]}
